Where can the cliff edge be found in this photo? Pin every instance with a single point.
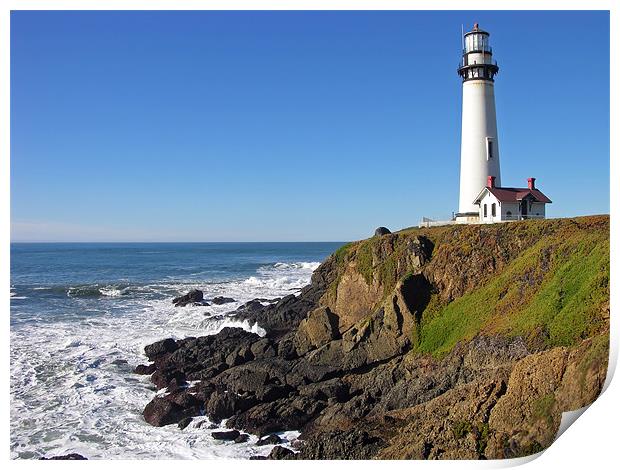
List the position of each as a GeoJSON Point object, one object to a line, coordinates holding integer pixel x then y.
{"type": "Point", "coordinates": [458, 342]}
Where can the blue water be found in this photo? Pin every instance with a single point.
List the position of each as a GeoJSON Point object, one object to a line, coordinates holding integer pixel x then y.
{"type": "Point", "coordinates": [79, 310]}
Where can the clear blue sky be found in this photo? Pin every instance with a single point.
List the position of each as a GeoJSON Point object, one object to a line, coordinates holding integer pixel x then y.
{"type": "Point", "coordinates": [216, 126]}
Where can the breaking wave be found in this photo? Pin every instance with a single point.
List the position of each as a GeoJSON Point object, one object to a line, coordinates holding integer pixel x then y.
{"type": "Point", "coordinates": [72, 386]}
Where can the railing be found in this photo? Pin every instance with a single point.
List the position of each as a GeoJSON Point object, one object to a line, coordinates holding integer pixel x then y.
{"type": "Point", "coordinates": [463, 64]}
{"type": "Point", "coordinates": [487, 49]}
{"type": "Point", "coordinates": [436, 221]}
{"type": "Point", "coordinates": [439, 221]}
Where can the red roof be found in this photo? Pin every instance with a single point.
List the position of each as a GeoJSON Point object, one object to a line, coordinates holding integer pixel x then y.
{"type": "Point", "coordinates": [517, 194]}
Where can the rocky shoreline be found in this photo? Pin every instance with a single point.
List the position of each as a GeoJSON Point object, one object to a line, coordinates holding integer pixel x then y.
{"type": "Point", "coordinates": [344, 363]}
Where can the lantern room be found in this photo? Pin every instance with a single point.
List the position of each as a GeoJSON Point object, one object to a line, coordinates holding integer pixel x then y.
{"type": "Point", "coordinates": [477, 62]}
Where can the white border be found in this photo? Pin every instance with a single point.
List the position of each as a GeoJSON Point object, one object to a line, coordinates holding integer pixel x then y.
{"type": "Point", "coordinates": [589, 444]}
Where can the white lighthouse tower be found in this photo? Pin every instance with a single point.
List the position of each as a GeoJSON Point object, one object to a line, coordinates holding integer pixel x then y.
{"type": "Point", "coordinates": [479, 143]}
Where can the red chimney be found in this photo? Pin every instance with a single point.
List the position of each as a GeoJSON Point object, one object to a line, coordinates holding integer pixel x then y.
{"type": "Point", "coordinates": [530, 183]}
{"type": "Point", "coordinates": [490, 181]}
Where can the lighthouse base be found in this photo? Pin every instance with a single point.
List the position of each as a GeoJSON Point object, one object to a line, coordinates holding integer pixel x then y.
{"type": "Point", "coordinates": [467, 218]}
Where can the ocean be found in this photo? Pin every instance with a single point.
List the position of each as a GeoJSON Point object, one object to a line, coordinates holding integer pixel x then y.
{"type": "Point", "coordinates": [81, 314]}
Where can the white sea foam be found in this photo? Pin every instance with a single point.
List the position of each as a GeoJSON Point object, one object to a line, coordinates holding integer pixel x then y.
{"type": "Point", "coordinates": [72, 392]}
{"type": "Point", "coordinates": [111, 291]}
{"type": "Point", "coordinates": [13, 295]}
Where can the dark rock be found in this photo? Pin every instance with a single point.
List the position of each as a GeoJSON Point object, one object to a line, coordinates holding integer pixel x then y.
{"type": "Point", "coordinates": [158, 349]}
{"type": "Point", "coordinates": [280, 453]}
{"type": "Point", "coordinates": [184, 399]}
{"type": "Point", "coordinates": [226, 435]}
{"type": "Point", "coordinates": [334, 388]}
{"type": "Point", "coordinates": [381, 231]}
{"type": "Point", "coordinates": [143, 369]}
{"type": "Point", "coordinates": [185, 422]}
{"type": "Point", "coordinates": [203, 424]}
{"type": "Point", "coordinates": [258, 457]}
{"type": "Point", "coordinates": [119, 362]}
{"type": "Point", "coordinates": [176, 383]}
{"type": "Point", "coordinates": [65, 457]}
{"type": "Point", "coordinates": [199, 358]}
{"type": "Point", "coordinates": [240, 355]}
{"type": "Point", "coordinates": [269, 440]}
{"type": "Point", "coordinates": [222, 300]}
{"type": "Point", "coordinates": [225, 404]}
{"type": "Point", "coordinates": [161, 412]}
{"type": "Point", "coordinates": [276, 416]}
{"type": "Point", "coordinates": [263, 348]}
{"type": "Point", "coordinates": [340, 445]}
{"type": "Point", "coordinates": [168, 378]}
{"type": "Point", "coordinates": [242, 438]}
{"type": "Point", "coordinates": [194, 297]}
{"type": "Point", "coordinates": [318, 328]}
{"type": "Point", "coordinates": [274, 392]}
{"type": "Point", "coordinates": [283, 316]}
{"type": "Point", "coordinates": [252, 306]}
{"type": "Point", "coordinates": [286, 347]}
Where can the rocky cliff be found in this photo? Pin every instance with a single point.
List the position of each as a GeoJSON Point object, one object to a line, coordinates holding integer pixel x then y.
{"type": "Point", "coordinates": [447, 342]}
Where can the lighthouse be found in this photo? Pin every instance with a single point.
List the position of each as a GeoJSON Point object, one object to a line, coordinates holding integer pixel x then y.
{"type": "Point", "coordinates": [482, 198]}
{"type": "Point", "coordinates": [479, 140]}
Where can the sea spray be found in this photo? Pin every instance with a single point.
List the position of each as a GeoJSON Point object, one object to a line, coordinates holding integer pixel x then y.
{"type": "Point", "coordinates": [72, 356]}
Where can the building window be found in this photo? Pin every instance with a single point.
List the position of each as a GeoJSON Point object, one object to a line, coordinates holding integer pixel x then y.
{"type": "Point", "coordinates": [490, 151]}
{"type": "Point", "coordinates": [485, 211]}
{"type": "Point", "coordinates": [508, 215]}
{"type": "Point", "coordinates": [493, 210]}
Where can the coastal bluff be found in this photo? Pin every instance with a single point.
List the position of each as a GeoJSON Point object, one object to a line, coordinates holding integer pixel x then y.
{"type": "Point", "coordinates": [455, 342]}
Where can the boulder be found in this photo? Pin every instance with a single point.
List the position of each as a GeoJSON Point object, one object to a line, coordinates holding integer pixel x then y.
{"type": "Point", "coordinates": [199, 359]}
{"type": "Point", "coordinates": [280, 415]}
{"type": "Point", "coordinates": [341, 445]}
{"type": "Point", "coordinates": [319, 328]}
{"type": "Point", "coordinates": [184, 399]}
{"type": "Point", "coordinates": [263, 348]}
{"type": "Point", "coordinates": [280, 453]}
{"type": "Point", "coordinates": [242, 438]}
{"type": "Point", "coordinates": [143, 369]}
{"type": "Point", "coordinates": [269, 440]}
{"type": "Point", "coordinates": [161, 412]}
{"type": "Point", "coordinates": [168, 378]}
{"type": "Point", "coordinates": [381, 231]}
{"type": "Point", "coordinates": [65, 457]}
{"type": "Point", "coordinates": [282, 317]}
{"type": "Point", "coordinates": [158, 349]}
{"type": "Point", "coordinates": [193, 297]}
{"type": "Point", "coordinates": [225, 404]}
{"type": "Point", "coordinates": [226, 435]}
{"type": "Point", "coordinates": [333, 388]}
{"type": "Point", "coordinates": [222, 300]}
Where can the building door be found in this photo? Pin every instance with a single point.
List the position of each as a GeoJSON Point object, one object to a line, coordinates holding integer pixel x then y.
{"type": "Point", "coordinates": [524, 209]}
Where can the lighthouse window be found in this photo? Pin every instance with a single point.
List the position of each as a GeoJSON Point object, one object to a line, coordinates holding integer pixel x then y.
{"type": "Point", "coordinates": [485, 211]}
{"type": "Point", "coordinates": [490, 153]}
{"type": "Point", "coordinates": [493, 210]}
